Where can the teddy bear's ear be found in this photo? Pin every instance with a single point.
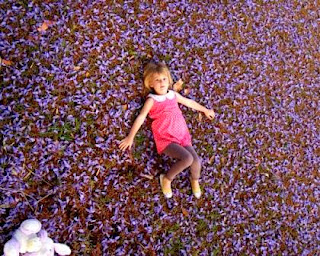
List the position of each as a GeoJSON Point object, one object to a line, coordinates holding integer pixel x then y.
{"type": "Point", "coordinates": [30, 226]}
{"type": "Point", "coordinates": [62, 249]}
{"type": "Point", "coordinates": [11, 248]}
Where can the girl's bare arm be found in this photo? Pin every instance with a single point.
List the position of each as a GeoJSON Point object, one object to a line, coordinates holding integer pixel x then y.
{"type": "Point", "coordinates": [128, 141]}
{"type": "Point", "coordinates": [195, 105]}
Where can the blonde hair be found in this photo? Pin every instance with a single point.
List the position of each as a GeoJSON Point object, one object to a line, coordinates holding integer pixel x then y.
{"type": "Point", "coordinates": [155, 68]}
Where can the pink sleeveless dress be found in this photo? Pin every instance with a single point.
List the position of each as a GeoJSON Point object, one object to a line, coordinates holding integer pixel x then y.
{"type": "Point", "coordinates": [168, 125]}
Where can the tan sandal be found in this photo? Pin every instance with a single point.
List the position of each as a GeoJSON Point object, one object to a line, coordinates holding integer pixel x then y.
{"type": "Point", "coordinates": [167, 194]}
{"type": "Point", "coordinates": [195, 189]}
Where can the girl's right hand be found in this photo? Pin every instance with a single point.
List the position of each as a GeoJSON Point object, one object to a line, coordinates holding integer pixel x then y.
{"type": "Point", "coordinates": [178, 85]}
{"type": "Point", "coordinates": [126, 143]}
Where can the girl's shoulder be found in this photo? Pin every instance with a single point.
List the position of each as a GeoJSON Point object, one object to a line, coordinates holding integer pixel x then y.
{"type": "Point", "coordinates": [160, 98]}
{"type": "Point", "coordinates": [147, 106]}
{"type": "Point", "coordinates": [149, 101]}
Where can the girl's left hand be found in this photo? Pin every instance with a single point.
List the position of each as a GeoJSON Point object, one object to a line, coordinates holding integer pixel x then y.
{"type": "Point", "coordinates": [210, 114]}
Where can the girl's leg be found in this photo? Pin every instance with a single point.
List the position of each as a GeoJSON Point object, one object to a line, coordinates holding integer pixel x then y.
{"type": "Point", "coordinates": [195, 172]}
{"type": "Point", "coordinates": [185, 159]}
{"type": "Point", "coordinates": [196, 164]}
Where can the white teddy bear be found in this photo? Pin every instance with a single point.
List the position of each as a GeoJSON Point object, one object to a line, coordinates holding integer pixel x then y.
{"type": "Point", "coordinates": [30, 240]}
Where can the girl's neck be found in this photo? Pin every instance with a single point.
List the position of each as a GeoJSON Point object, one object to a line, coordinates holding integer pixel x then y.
{"type": "Point", "coordinates": [153, 92]}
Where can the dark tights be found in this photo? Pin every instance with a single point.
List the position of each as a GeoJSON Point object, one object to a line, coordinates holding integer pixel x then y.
{"type": "Point", "coordinates": [186, 156]}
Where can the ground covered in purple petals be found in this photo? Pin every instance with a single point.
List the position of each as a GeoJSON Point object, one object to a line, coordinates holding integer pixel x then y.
{"type": "Point", "coordinates": [71, 87]}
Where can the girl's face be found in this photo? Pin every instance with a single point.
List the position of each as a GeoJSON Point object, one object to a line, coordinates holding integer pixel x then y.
{"type": "Point", "coordinates": [160, 83]}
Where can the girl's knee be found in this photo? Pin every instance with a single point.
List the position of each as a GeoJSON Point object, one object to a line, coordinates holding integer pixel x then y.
{"type": "Point", "coordinates": [198, 161]}
{"type": "Point", "coordinates": [188, 159]}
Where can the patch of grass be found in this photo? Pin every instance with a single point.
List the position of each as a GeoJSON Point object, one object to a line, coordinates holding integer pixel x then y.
{"type": "Point", "coordinates": [223, 151]}
{"type": "Point", "coordinates": [4, 165]}
{"type": "Point", "coordinates": [23, 3]}
{"type": "Point", "coordinates": [19, 107]}
{"type": "Point", "coordinates": [140, 139]}
{"type": "Point", "coordinates": [94, 87]}
{"type": "Point", "coordinates": [230, 232]}
{"type": "Point", "coordinates": [32, 48]}
{"type": "Point", "coordinates": [48, 117]}
{"type": "Point", "coordinates": [209, 149]}
{"type": "Point", "coordinates": [104, 200]}
{"type": "Point", "coordinates": [50, 77]}
{"type": "Point", "coordinates": [110, 164]}
{"type": "Point", "coordinates": [62, 132]}
{"type": "Point", "coordinates": [87, 243]}
{"type": "Point", "coordinates": [92, 183]}
{"type": "Point", "coordinates": [90, 119]}
{"type": "Point", "coordinates": [55, 93]}
{"type": "Point", "coordinates": [213, 216]}
{"type": "Point", "coordinates": [132, 52]}
{"type": "Point", "coordinates": [202, 227]}
{"type": "Point", "coordinates": [63, 43]}
{"type": "Point", "coordinates": [167, 58]}
{"type": "Point", "coordinates": [71, 104]}
{"type": "Point", "coordinates": [137, 154]}
{"type": "Point", "coordinates": [174, 228]}
{"type": "Point", "coordinates": [216, 251]}
{"type": "Point", "coordinates": [139, 194]}
{"type": "Point", "coordinates": [32, 70]}
{"type": "Point", "coordinates": [29, 177]}
{"type": "Point", "coordinates": [130, 175]}
{"type": "Point", "coordinates": [174, 248]}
